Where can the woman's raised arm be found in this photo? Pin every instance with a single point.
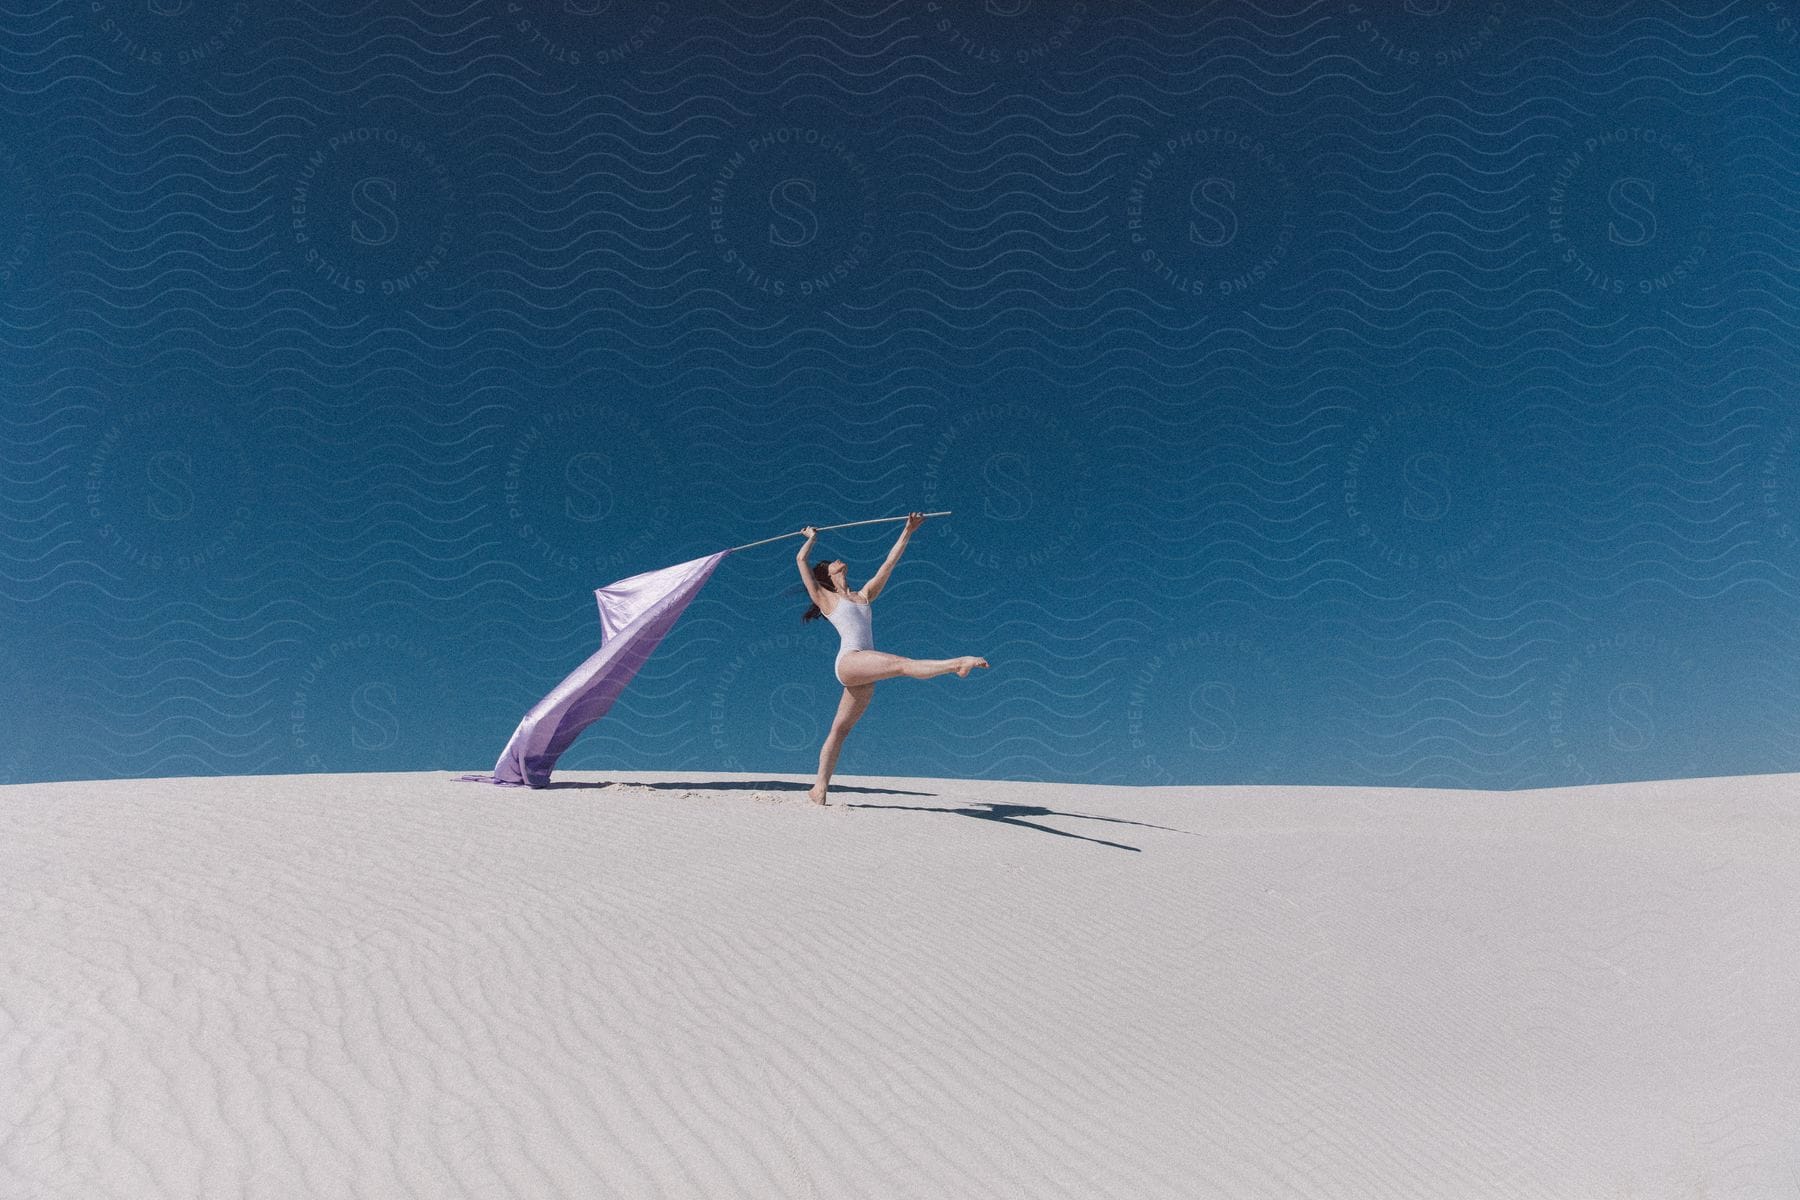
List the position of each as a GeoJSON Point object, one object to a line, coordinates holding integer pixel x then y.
{"type": "Point", "coordinates": [873, 588]}
{"type": "Point", "coordinates": [806, 577]}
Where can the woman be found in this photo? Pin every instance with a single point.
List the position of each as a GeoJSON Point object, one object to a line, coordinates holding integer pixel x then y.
{"type": "Point", "coordinates": [859, 665]}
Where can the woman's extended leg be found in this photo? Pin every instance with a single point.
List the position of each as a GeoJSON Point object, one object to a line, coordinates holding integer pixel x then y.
{"type": "Point", "coordinates": [872, 666]}
{"type": "Point", "coordinates": [850, 711]}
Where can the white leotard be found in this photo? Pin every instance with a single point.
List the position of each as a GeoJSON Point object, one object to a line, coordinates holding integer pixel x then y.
{"type": "Point", "coordinates": [855, 628]}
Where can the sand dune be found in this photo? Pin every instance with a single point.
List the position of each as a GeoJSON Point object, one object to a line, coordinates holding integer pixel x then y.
{"type": "Point", "coordinates": [682, 985]}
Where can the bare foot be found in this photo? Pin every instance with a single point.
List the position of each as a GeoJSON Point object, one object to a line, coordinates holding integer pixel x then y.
{"type": "Point", "coordinates": [816, 794]}
{"type": "Point", "coordinates": [965, 665]}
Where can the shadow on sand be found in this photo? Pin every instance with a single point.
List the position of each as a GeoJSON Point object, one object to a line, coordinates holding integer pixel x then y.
{"type": "Point", "coordinates": [1013, 814]}
{"type": "Point", "coordinates": [983, 810]}
{"type": "Point", "coordinates": [746, 785]}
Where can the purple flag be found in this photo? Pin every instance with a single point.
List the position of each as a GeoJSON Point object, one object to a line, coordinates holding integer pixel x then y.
{"type": "Point", "coordinates": [635, 614]}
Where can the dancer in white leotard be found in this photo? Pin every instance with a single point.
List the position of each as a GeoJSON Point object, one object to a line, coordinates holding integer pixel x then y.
{"type": "Point", "coordinates": [856, 631]}
{"type": "Point", "coordinates": [859, 666]}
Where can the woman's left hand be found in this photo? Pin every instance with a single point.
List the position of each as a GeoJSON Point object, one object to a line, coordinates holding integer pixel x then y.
{"type": "Point", "coordinates": [914, 520]}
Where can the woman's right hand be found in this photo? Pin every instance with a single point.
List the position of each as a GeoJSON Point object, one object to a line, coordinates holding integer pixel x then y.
{"type": "Point", "coordinates": [810, 533]}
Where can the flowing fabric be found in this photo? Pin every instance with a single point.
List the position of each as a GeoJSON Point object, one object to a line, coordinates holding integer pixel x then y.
{"type": "Point", "coordinates": [635, 614]}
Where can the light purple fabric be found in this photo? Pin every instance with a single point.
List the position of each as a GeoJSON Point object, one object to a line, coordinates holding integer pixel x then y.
{"type": "Point", "coordinates": [635, 614]}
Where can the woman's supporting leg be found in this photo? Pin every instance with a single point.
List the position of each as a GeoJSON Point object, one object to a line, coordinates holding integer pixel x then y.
{"type": "Point", "coordinates": [850, 711]}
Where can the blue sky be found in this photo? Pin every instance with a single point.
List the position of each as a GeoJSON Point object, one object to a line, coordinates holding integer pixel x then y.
{"type": "Point", "coordinates": [1325, 393]}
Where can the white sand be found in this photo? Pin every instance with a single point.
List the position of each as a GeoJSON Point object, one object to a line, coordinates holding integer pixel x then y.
{"type": "Point", "coordinates": [396, 986]}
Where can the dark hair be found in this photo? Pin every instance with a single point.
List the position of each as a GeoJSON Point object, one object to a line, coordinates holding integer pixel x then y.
{"type": "Point", "coordinates": [821, 571]}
